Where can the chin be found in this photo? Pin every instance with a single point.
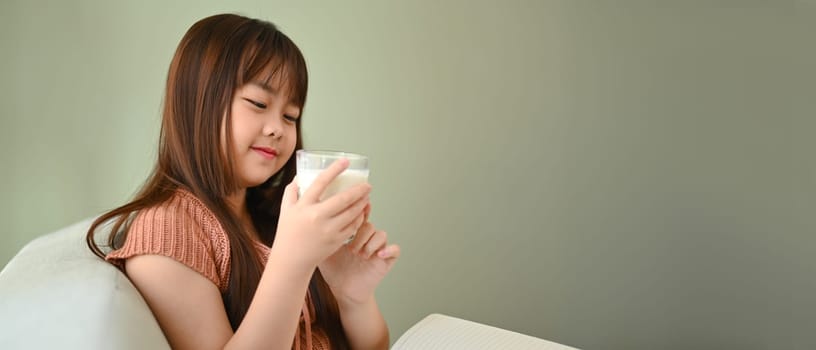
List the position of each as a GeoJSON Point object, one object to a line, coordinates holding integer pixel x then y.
{"type": "Point", "coordinates": [254, 181]}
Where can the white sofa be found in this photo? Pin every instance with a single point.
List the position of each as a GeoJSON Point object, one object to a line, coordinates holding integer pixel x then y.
{"type": "Point", "coordinates": [56, 294]}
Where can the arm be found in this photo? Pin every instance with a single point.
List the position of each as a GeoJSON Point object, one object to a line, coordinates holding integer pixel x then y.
{"type": "Point", "coordinates": [191, 313]}
{"type": "Point", "coordinates": [353, 273]}
{"type": "Point", "coordinates": [364, 325]}
{"type": "Point", "coordinates": [272, 318]}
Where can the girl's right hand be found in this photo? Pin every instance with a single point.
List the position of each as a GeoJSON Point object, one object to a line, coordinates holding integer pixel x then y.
{"type": "Point", "coordinates": [310, 230]}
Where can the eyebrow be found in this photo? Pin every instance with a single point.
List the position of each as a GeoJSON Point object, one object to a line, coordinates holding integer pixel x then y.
{"type": "Point", "coordinates": [265, 87]}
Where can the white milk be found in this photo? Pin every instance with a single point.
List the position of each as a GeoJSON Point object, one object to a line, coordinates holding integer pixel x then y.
{"type": "Point", "coordinates": [346, 179]}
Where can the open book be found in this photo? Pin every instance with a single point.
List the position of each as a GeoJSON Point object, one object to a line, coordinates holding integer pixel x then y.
{"type": "Point", "coordinates": [440, 332]}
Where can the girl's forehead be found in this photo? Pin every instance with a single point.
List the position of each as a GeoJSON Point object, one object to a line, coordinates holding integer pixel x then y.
{"type": "Point", "coordinates": [274, 79]}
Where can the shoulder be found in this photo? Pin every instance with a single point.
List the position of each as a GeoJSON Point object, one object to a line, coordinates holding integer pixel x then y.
{"type": "Point", "coordinates": [182, 209]}
{"type": "Point", "coordinates": [182, 228]}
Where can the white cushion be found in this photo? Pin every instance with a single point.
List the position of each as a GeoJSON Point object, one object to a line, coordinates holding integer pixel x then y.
{"type": "Point", "coordinates": [441, 332]}
{"type": "Point", "coordinates": [55, 294]}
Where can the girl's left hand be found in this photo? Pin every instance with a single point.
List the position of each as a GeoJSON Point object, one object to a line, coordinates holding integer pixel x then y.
{"type": "Point", "coordinates": [354, 271]}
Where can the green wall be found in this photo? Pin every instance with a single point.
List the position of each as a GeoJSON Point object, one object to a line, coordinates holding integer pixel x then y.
{"type": "Point", "coordinates": [636, 175]}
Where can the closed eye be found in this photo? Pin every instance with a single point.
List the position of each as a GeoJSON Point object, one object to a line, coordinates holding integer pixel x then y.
{"type": "Point", "coordinates": [256, 103]}
{"type": "Point", "coordinates": [290, 118]}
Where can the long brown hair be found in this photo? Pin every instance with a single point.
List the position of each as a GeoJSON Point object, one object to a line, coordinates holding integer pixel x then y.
{"type": "Point", "coordinates": [216, 56]}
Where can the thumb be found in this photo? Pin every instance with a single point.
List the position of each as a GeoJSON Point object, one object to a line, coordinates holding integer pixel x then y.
{"type": "Point", "coordinates": [290, 194]}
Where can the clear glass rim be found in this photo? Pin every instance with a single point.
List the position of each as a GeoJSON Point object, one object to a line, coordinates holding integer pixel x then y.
{"type": "Point", "coordinates": [330, 154]}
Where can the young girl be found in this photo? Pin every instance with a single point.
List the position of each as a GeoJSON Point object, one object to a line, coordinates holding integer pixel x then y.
{"type": "Point", "coordinates": [217, 241]}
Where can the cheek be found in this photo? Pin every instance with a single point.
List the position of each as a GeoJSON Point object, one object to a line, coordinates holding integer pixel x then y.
{"type": "Point", "coordinates": [292, 141]}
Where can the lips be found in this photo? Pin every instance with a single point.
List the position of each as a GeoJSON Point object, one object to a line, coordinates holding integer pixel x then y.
{"type": "Point", "coordinates": [266, 152]}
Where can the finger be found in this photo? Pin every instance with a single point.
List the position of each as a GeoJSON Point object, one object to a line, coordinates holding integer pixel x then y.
{"type": "Point", "coordinates": [363, 235]}
{"type": "Point", "coordinates": [348, 233]}
{"type": "Point", "coordinates": [290, 193]}
{"type": "Point", "coordinates": [338, 203]}
{"type": "Point", "coordinates": [367, 211]}
{"type": "Point", "coordinates": [349, 215]}
{"type": "Point", "coordinates": [375, 243]}
{"type": "Point", "coordinates": [391, 252]}
{"type": "Point", "coordinates": [324, 179]}
{"type": "Point", "coordinates": [350, 229]}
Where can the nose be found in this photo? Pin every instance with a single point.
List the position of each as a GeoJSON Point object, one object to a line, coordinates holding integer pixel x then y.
{"type": "Point", "coordinates": [273, 127]}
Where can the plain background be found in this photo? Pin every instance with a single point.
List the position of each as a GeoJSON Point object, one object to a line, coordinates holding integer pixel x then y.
{"type": "Point", "coordinates": [608, 175]}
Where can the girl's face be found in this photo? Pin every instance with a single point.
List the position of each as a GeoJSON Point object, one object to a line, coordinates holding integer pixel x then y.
{"type": "Point", "coordinates": [264, 132]}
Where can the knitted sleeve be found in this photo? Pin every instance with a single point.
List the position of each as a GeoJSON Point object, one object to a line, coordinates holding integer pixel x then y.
{"type": "Point", "coordinates": [182, 229]}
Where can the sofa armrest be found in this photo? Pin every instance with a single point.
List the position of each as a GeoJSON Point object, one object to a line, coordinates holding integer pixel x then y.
{"type": "Point", "coordinates": [55, 294]}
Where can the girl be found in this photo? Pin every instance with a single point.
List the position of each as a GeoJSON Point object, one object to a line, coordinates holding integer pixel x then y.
{"type": "Point", "coordinates": [222, 249]}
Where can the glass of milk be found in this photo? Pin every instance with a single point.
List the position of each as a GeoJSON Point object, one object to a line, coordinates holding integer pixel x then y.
{"type": "Point", "coordinates": [311, 163]}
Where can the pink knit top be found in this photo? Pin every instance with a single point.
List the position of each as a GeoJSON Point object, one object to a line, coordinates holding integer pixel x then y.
{"type": "Point", "coordinates": [183, 229]}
